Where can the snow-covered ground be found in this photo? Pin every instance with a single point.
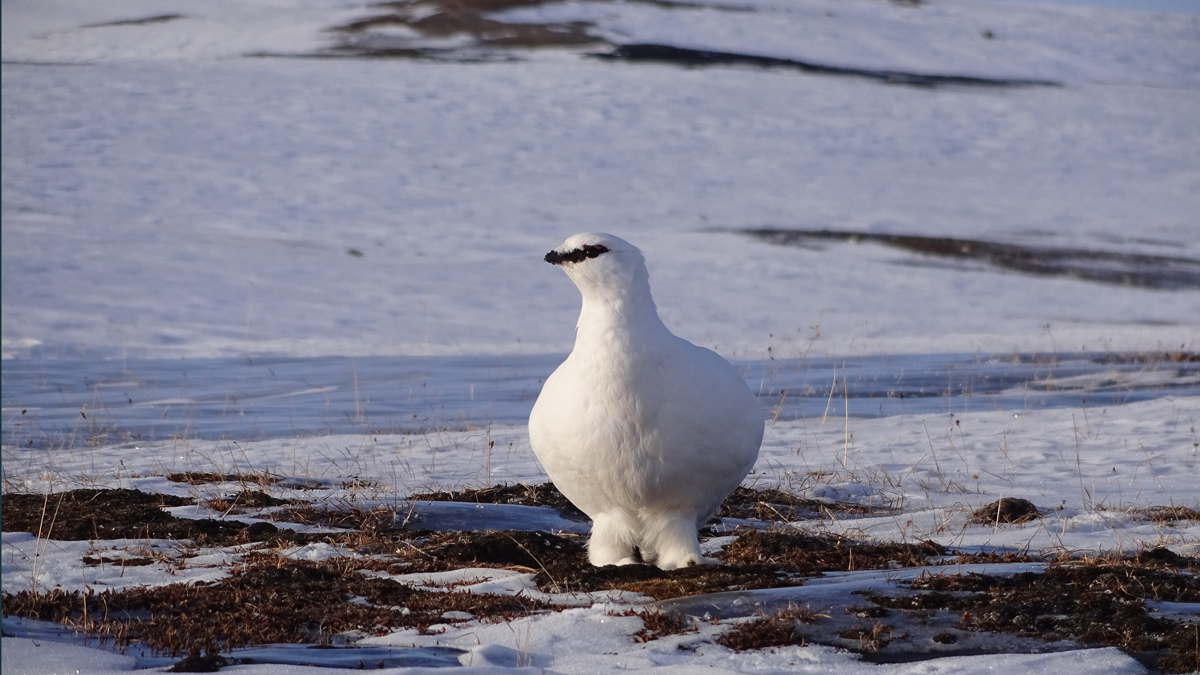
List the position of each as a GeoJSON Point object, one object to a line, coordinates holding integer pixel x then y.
{"type": "Point", "coordinates": [1087, 468]}
{"type": "Point", "coordinates": [1091, 471]}
{"type": "Point", "coordinates": [162, 197]}
{"type": "Point", "coordinates": [165, 195]}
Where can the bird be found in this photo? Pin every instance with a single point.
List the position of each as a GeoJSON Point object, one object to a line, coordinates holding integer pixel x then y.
{"type": "Point", "coordinates": [643, 431]}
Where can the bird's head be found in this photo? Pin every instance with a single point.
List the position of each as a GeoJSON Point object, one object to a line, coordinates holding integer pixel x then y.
{"type": "Point", "coordinates": [602, 264]}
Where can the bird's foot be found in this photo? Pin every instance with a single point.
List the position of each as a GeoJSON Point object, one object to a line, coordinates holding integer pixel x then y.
{"type": "Point", "coordinates": [612, 540]}
{"type": "Point", "coordinates": [602, 560]}
{"type": "Point", "coordinates": [675, 559]}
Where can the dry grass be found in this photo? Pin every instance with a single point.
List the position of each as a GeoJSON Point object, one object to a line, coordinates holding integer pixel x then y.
{"type": "Point", "coordinates": [1164, 514]}
{"type": "Point", "coordinates": [656, 624]}
{"type": "Point", "coordinates": [246, 500]}
{"type": "Point", "coordinates": [778, 629]}
{"type": "Point", "coordinates": [992, 557]}
{"type": "Point", "coordinates": [870, 638]}
{"type": "Point", "coordinates": [776, 505]}
{"type": "Point", "coordinates": [377, 519]}
{"type": "Point", "coordinates": [262, 479]}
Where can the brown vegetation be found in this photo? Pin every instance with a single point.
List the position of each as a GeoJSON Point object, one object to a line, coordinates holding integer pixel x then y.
{"type": "Point", "coordinates": [271, 599]}
{"type": "Point", "coordinates": [808, 554]}
{"type": "Point", "coordinates": [778, 629]}
{"type": "Point", "coordinates": [1005, 510]}
{"type": "Point", "coordinates": [1098, 601]}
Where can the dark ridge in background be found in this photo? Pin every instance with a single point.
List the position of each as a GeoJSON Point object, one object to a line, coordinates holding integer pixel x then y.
{"type": "Point", "coordinates": [702, 57]}
{"type": "Point", "coordinates": [1125, 269]}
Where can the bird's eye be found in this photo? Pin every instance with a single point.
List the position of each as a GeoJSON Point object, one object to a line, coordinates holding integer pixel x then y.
{"type": "Point", "coordinates": [578, 255]}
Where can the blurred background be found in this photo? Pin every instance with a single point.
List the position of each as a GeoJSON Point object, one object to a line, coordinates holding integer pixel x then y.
{"type": "Point", "coordinates": [232, 181]}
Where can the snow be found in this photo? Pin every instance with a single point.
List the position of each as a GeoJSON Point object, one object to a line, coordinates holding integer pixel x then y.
{"type": "Point", "coordinates": [1057, 43]}
{"type": "Point", "coordinates": [242, 399]}
{"type": "Point", "coordinates": [72, 31]}
{"type": "Point", "coordinates": [543, 643]}
{"type": "Point", "coordinates": [178, 216]}
{"type": "Point", "coordinates": [817, 592]}
{"type": "Point", "coordinates": [27, 656]}
{"type": "Point", "coordinates": [123, 236]}
{"type": "Point", "coordinates": [1089, 470]}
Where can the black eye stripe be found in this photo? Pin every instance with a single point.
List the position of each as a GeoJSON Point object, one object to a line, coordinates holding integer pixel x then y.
{"type": "Point", "coordinates": [578, 255]}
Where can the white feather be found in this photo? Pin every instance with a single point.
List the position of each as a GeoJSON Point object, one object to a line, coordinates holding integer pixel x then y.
{"type": "Point", "coordinates": [643, 431]}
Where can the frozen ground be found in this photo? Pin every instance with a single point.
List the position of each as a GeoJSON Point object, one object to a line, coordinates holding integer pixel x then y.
{"type": "Point", "coordinates": [300, 253]}
{"type": "Point", "coordinates": [1092, 472]}
{"type": "Point", "coordinates": [1096, 464]}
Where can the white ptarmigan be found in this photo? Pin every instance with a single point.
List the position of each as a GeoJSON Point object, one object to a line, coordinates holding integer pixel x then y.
{"type": "Point", "coordinates": [643, 431]}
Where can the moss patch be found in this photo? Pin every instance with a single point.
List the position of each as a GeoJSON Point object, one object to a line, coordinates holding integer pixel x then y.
{"type": "Point", "coordinates": [807, 554]}
{"type": "Point", "coordinates": [87, 515]}
{"type": "Point", "coordinates": [269, 600]}
{"type": "Point", "coordinates": [1097, 602]}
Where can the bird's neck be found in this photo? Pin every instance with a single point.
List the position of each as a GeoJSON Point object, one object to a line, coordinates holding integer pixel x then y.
{"type": "Point", "coordinates": [626, 322]}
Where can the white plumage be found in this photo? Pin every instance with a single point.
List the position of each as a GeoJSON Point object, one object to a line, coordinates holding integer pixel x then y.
{"type": "Point", "coordinates": [643, 431]}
